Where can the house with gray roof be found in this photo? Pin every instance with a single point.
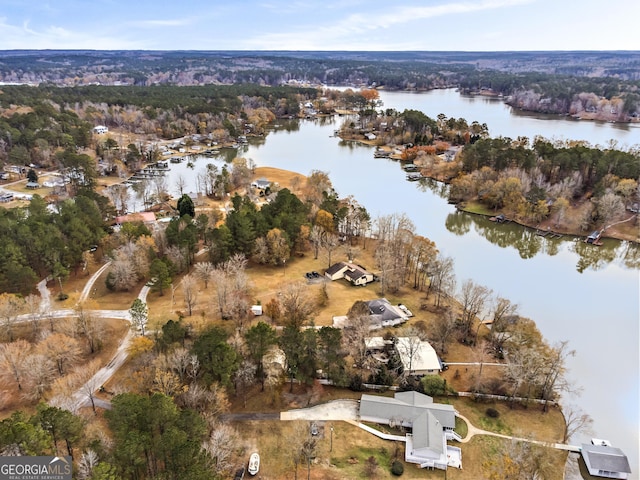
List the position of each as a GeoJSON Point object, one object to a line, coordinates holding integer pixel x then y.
{"type": "Point", "coordinates": [605, 461]}
{"type": "Point", "coordinates": [384, 314]}
{"type": "Point", "coordinates": [431, 425]}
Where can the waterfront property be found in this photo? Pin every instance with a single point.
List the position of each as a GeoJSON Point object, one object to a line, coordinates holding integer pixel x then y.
{"type": "Point", "coordinates": [417, 356]}
{"type": "Point", "coordinates": [431, 424]}
{"type": "Point", "coordinates": [603, 460]}
{"type": "Point", "coordinates": [383, 314]}
{"type": "Point", "coordinates": [354, 274]}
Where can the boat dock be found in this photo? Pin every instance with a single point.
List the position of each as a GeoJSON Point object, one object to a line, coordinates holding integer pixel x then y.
{"type": "Point", "coordinates": [548, 233]}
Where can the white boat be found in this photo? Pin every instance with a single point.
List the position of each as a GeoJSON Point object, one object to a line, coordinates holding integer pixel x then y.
{"type": "Point", "coordinates": [254, 464]}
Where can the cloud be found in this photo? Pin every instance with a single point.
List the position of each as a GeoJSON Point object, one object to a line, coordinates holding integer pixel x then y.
{"type": "Point", "coordinates": [56, 37]}
{"type": "Point", "coordinates": [177, 22]}
{"type": "Point", "coordinates": [336, 34]}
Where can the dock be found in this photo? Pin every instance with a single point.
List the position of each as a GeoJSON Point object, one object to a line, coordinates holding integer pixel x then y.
{"type": "Point", "coordinates": [500, 218]}
{"type": "Point", "coordinates": [548, 233]}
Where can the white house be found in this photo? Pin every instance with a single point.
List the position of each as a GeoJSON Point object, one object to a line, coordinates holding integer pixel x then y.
{"type": "Point", "coordinates": [418, 357]}
{"type": "Point", "coordinates": [100, 129]}
{"type": "Point", "coordinates": [261, 183]}
{"type": "Point", "coordinates": [354, 274]}
{"type": "Point", "coordinates": [431, 425]}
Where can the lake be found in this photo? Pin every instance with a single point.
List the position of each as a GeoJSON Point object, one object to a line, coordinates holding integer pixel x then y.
{"type": "Point", "coordinates": [586, 295]}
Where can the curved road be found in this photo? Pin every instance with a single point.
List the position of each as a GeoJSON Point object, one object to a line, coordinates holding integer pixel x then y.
{"type": "Point", "coordinates": [81, 397]}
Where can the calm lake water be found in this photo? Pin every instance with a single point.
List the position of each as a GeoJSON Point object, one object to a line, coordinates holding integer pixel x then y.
{"type": "Point", "coordinates": [583, 294]}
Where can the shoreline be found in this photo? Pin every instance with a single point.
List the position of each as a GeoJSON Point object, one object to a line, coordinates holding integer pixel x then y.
{"type": "Point", "coordinates": [543, 226]}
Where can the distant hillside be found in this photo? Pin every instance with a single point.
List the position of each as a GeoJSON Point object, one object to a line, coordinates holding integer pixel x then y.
{"type": "Point", "coordinates": [551, 82]}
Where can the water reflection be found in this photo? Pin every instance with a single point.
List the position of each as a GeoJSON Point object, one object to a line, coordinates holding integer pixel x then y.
{"type": "Point", "coordinates": [441, 189]}
{"type": "Point", "coordinates": [458, 223]}
{"type": "Point", "coordinates": [529, 244]}
{"type": "Point", "coordinates": [595, 257]}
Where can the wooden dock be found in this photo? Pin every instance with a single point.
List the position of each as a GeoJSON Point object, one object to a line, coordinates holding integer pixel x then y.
{"type": "Point", "coordinates": [548, 233]}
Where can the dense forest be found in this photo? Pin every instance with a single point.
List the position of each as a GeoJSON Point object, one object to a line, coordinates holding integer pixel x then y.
{"type": "Point", "coordinates": [552, 82]}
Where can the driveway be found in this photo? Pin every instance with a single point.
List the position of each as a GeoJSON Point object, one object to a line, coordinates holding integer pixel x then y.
{"type": "Point", "coordinates": [334, 410]}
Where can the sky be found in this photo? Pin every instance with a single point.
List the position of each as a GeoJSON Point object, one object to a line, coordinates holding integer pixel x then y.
{"type": "Point", "coordinates": [428, 25]}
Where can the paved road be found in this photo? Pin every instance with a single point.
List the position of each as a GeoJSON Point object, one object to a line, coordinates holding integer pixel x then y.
{"type": "Point", "coordinates": [80, 398]}
{"type": "Point", "coordinates": [89, 285]}
{"type": "Point", "coordinates": [240, 417]}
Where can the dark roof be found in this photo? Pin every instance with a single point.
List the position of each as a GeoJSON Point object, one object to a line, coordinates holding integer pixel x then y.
{"type": "Point", "coordinates": [335, 268]}
{"type": "Point", "coordinates": [605, 458]}
{"type": "Point", "coordinates": [355, 274]}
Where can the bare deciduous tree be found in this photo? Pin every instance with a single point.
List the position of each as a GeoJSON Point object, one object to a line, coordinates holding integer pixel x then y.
{"type": "Point", "coordinates": [204, 271]}
{"type": "Point", "coordinates": [10, 306]}
{"type": "Point", "coordinates": [442, 277]}
{"type": "Point", "coordinates": [88, 462]}
{"type": "Point", "coordinates": [220, 445]}
{"type": "Point", "coordinates": [38, 372]}
{"type": "Point", "coordinates": [296, 305]}
{"type": "Point", "coordinates": [329, 244]}
{"type": "Point", "coordinates": [88, 325]}
{"type": "Point", "coordinates": [576, 420]}
{"type": "Point", "coordinates": [442, 329]}
{"type": "Point", "coordinates": [244, 377]}
{"type": "Point", "coordinates": [473, 298]}
{"type": "Point", "coordinates": [189, 292]}
{"type": "Point", "coordinates": [63, 351]}
{"type": "Point", "coordinates": [12, 359]}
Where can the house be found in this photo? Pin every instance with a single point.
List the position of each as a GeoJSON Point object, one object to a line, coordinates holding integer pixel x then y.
{"type": "Point", "coordinates": [354, 274]}
{"type": "Point", "coordinates": [383, 314]}
{"type": "Point", "coordinates": [32, 185]}
{"type": "Point", "coordinates": [431, 424]}
{"type": "Point", "coordinates": [417, 356]}
{"type": "Point", "coordinates": [256, 310]}
{"type": "Point", "coordinates": [6, 197]}
{"type": "Point", "coordinates": [603, 460]}
{"type": "Point", "coordinates": [100, 129]}
{"type": "Point", "coordinates": [261, 183]}
{"type": "Point", "coordinates": [370, 136]}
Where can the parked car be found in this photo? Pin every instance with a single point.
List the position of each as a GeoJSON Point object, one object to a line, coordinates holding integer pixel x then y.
{"type": "Point", "coordinates": [314, 429]}
{"type": "Point", "coordinates": [239, 474]}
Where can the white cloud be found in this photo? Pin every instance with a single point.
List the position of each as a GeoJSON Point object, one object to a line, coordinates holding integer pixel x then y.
{"type": "Point", "coordinates": [177, 22]}
{"type": "Point", "coordinates": [340, 33]}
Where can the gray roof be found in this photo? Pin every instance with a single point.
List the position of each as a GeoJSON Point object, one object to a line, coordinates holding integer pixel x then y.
{"type": "Point", "coordinates": [387, 407]}
{"type": "Point", "coordinates": [415, 398]}
{"type": "Point", "coordinates": [381, 310]}
{"type": "Point", "coordinates": [605, 458]}
{"type": "Point", "coordinates": [427, 434]}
